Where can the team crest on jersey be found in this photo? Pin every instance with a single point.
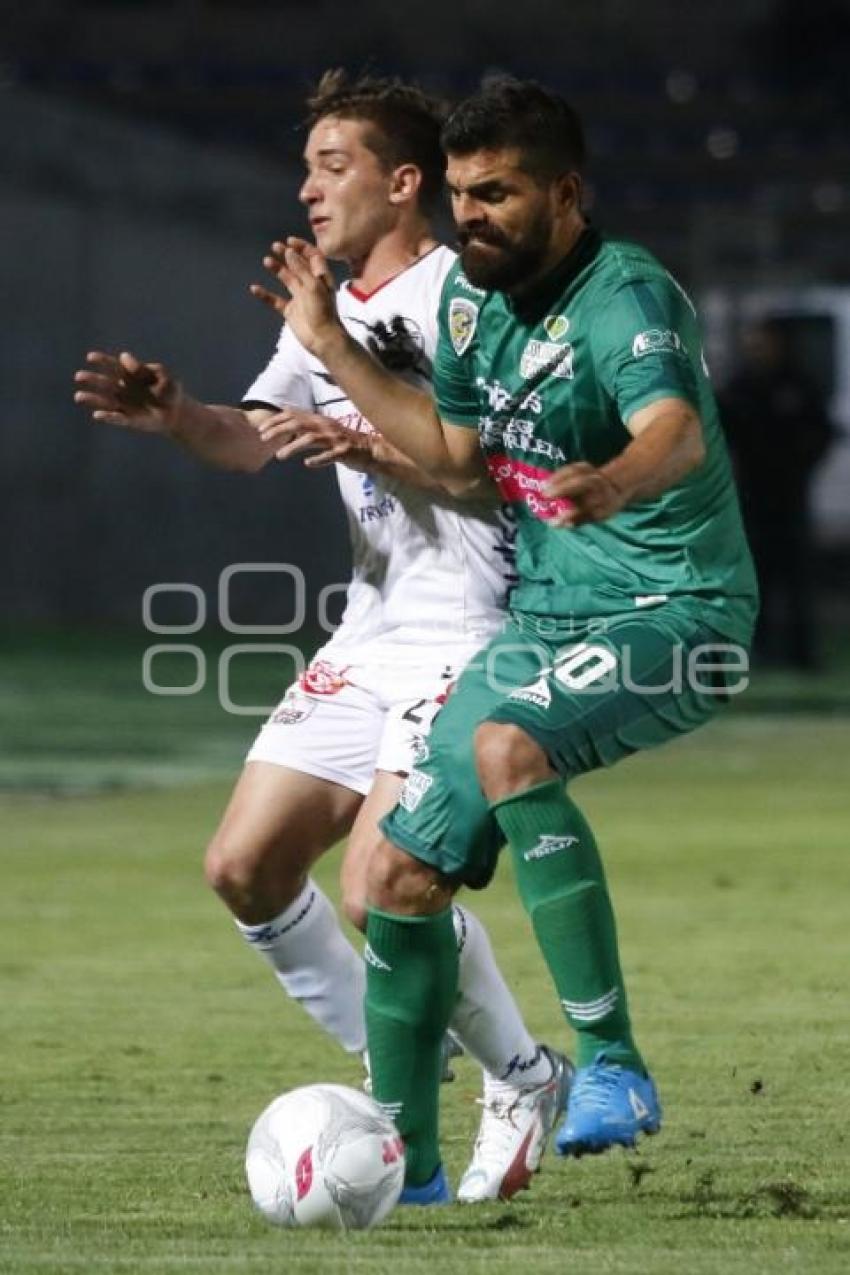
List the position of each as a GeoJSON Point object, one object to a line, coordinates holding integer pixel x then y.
{"type": "Point", "coordinates": [656, 341]}
{"type": "Point", "coordinates": [463, 318]}
{"type": "Point", "coordinates": [547, 356]}
{"type": "Point", "coordinates": [556, 326]}
{"type": "Point", "coordinates": [293, 709]}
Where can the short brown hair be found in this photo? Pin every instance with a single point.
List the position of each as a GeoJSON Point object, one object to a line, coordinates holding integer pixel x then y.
{"type": "Point", "coordinates": [509, 113]}
{"type": "Point", "coordinates": [404, 123]}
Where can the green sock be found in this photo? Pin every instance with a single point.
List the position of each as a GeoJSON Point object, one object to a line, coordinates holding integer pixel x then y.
{"type": "Point", "coordinates": [411, 988]}
{"type": "Point", "coordinates": [562, 886]}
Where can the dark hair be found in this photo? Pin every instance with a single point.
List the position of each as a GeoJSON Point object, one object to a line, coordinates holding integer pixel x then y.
{"type": "Point", "coordinates": [404, 123]}
{"type": "Point", "coordinates": [508, 113]}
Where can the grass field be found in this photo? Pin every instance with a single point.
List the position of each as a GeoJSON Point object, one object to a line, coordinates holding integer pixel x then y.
{"type": "Point", "coordinates": [139, 1038]}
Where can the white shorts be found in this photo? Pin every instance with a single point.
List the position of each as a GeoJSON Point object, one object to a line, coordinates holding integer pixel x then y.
{"type": "Point", "coordinates": [354, 712]}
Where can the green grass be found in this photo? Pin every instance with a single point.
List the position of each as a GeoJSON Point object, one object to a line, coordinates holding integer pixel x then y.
{"type": "Point", "coordinates": [139, 1039]}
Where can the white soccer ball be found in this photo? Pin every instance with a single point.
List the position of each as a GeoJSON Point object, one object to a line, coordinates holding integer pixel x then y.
{"type": "Point", "coordinates": [325, 1155]}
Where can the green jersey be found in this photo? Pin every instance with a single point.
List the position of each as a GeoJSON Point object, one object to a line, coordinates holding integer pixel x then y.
{"type": "Point", "coordinates": [548, 379]}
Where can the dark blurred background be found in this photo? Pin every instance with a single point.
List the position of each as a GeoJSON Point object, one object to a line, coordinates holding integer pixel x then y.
{"type": "Point", "coordinates": [151, 150]}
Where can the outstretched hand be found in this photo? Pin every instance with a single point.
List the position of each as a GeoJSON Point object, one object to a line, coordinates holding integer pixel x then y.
{"type": "Point", "coordinates": [310, 309]}
{"type": "Point", "coordinates": [124, 391]}
{"type": "Point", "coordinates": [299, 432]}
{"type": "Point", "coordinates": [593, 496]}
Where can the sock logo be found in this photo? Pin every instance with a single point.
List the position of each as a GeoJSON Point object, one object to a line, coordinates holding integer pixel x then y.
{"type": "Point", "coordinates": [592, 1011]}
{"type": "Point", "coordinates": [547, 844]}
{"type": "Point", "coordinates": [371, 957]}
{"type": "Point", "coordinates": [520, 1064]}
{"type": "Point", "coordinates": [263, 936]}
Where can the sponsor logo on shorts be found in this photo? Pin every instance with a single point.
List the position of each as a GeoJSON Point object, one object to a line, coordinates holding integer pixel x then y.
{"type": "Point", "coordinates": [463, 319]}
{"type": "Point", "coordinates": [547, 356]}
{"type": "Point", "coordinates": [371, 957]}
{"type": "Point", "coordinates": [419, 749]}
{"type": "Point", "coordinates": [321, 678]}
{"type": "Point", "coordinates": [537, 693]}
{"type": "Point", "coordinates": [415, 787]}
{"type": "Point", "coordinates": [656, 341]}
{"type": "Point", "coordinates": [292, 709]}
{"type": "Point", "coordinates": [547, 845]}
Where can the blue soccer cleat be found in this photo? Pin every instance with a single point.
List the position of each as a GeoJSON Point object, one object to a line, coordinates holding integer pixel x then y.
{"type": "Point", "coordinates": [435, 1191]}
{"type": "Point", "coordinates": [608, 1106]}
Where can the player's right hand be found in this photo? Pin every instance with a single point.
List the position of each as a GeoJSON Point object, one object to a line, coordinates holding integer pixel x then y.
{"type": "Point", "coordinates": [310, 309]}
{"type": "Point", "coordinates": [299, 431]}
{"type": "Point", "coordinates": [122, 390]}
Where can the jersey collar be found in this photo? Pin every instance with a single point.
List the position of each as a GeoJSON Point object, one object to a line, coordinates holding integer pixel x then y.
{"type": "Point", "coordinates": [551, 287]}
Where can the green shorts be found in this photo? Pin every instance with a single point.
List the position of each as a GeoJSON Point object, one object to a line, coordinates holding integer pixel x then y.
{"type": "Point", "coordinates": [587, 703]}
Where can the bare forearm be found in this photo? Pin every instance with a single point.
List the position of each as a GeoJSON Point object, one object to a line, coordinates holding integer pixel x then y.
{"type": "Point", "coordinates": [218, 435]}
{"type": "Point", "coordinates": [405, 416]}
{"type": "Point", "coordinates": [384, 459]}
{"type": "Point", "coordinates": [659, 457]}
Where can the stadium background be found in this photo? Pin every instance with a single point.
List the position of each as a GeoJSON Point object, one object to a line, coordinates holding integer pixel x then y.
{"type": "Point", "coordinates": [150, 152]}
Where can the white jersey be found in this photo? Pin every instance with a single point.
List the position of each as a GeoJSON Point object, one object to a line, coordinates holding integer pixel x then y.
{"type": "Point", "coordinates": [424, 566]}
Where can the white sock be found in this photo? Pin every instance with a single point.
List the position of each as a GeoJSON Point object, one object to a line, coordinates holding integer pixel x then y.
{"type": "Point", "coordinates": [486, 1019]}
{"type": "Point", "coordinates": [316, 964]}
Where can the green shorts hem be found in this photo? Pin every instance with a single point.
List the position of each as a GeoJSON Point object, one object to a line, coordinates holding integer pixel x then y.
{"type": "Point", "coordinates": [457, 873]}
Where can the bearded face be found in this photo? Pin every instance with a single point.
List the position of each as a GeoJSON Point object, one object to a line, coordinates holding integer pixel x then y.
{"type": "Point", "coordinates": [502, 259]}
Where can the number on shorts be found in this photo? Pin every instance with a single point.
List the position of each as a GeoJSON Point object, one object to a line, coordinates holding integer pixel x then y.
{"type": "Point", "coordinates": [584, 664]}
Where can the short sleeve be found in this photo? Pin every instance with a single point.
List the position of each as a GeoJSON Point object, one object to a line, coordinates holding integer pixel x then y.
{"type": "Point", "coordinates": [646, 345]}
{"type": "Point", "coordinates": [285, 382]}
{"type": "Point", "coordinates": [454, 387]}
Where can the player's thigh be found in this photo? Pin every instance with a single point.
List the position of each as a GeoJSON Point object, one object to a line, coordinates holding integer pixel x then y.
{"type": "Point", "coordinates": [363, 840]}
{"type": "Point", "coordinates": [633, 687]}
{"type": "Point", "coordinates": [279, 821]}
{"type": "Point", "coordinates": [443, 817]}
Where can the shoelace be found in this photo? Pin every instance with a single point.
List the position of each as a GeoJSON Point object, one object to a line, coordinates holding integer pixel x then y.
{"type": "Point", "coordinates": [498, 1116]}
{"type": "Point", "coordinates": [497, 1125]}
{"type": "Point", "coordinates": [594, 1087]}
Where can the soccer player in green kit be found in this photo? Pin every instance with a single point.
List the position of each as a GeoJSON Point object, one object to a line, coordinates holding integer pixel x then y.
{"type": "Point", "coordinates": [570, 372]}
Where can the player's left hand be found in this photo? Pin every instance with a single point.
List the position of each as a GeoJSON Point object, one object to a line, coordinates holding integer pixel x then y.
{"type": "Point", "coordinates": [299, 432]}
{"type": "Point", "coordinates": [310, 309]}
{"type": "Point", "coordinates": [592, 495]}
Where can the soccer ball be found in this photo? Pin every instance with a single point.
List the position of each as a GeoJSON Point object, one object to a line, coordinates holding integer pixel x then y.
{"type": "Point", "coordinates": [324, 1155]}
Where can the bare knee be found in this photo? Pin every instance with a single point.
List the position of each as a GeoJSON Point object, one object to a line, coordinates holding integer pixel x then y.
{"type": "Point", "coordinates": [354, 873]}
{"type": "Point", "coordinates": [251, 879]}
{"type": "Point", "coordinates": [508, 760]}
{"type": "Point", "coordinates": [400, 884]}
{"type": "Point", "coordinates": [355, 910]}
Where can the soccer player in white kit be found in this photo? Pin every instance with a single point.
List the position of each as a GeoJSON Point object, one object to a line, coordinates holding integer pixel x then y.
{"type": "Point", "coordinates": [429, 584]}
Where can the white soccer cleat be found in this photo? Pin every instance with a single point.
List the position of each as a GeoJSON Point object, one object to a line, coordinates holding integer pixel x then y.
{"type": "Point", "coordinates": [514, 1130]}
